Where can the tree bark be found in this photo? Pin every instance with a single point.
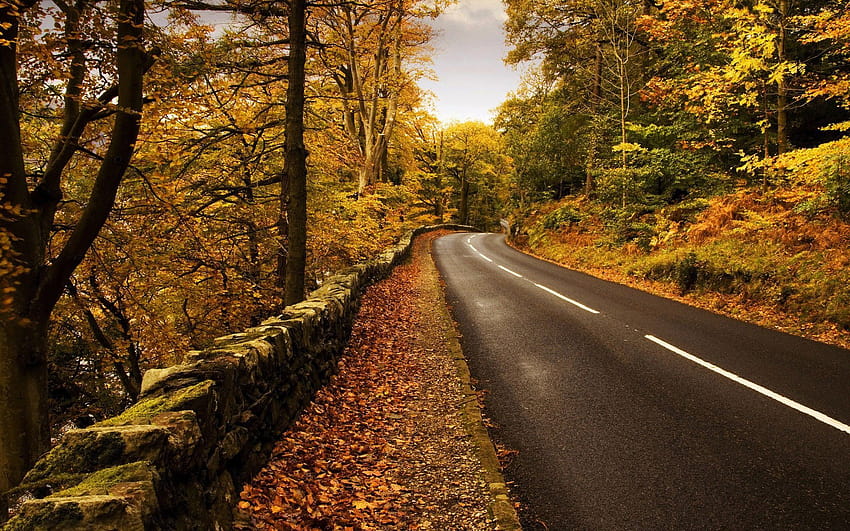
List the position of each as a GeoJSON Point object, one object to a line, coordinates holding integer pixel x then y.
{"type": "Point", "coordinates": [296, 155]}
{"type": "Point", "coordinates": [24, 430]}
{"type": "Point", "coordinates": [282, 233]}
{"type": "Point", "coordinates": [596, 96]}
{"type": "Point", "coordinates": [463, 210]}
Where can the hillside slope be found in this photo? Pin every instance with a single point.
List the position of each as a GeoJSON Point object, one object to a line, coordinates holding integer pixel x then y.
{"type": "Point", "coordinates": [768, 258]}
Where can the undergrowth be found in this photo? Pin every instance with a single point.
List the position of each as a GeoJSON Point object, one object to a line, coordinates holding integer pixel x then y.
{"type": "Point", "coordinates": [766, 257]}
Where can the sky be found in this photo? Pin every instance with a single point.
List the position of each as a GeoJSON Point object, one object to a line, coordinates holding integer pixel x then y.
{"type": "Point", "coordinates": [469, 49]}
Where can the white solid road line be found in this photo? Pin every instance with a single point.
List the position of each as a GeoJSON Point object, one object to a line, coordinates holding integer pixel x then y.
{"type": "Point", "coordinates": [514, 273]}
{"type": "Point", "coordinates": [755, 387]}
{"type": "Point", "coordinates": [563, 297]}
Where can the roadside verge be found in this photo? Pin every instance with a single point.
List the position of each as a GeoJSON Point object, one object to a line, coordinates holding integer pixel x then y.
{"type": "Point", "coordinates": [501, 507]}
{"type": "Point", "coordinates": [395, 440]}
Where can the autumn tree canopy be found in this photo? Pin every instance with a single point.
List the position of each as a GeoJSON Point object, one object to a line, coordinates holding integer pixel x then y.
{"type": "Point", "coordinates": [663, 100]}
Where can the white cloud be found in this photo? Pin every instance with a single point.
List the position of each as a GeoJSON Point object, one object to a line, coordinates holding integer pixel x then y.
{"type": "Point", "coordinates": [471, 79]}
{"type": "Point", "coordinates": [475, 12]}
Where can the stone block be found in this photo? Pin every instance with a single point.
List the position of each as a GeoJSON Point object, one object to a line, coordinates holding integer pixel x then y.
{"type": "Point", "coordinates": [199, 398]}
{"type": "Point", "coordinates": [79, 513]}
{"type": "Point", "coordinates": [234, 442]}
{"type": "Point", "coordinates": [84, 451]}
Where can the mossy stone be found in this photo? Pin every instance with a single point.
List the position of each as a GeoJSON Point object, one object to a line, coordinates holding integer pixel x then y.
{"type": "Point", "coordinates": [89, 513]}
{"type": "Point", "coordinates": [100, 482]}
{"type": "Point", "coordinates": [77, 453]}
{"type": "Point", "coordinates": [36, 516]}
{"type": "Point", "coordinates": [143, 411]}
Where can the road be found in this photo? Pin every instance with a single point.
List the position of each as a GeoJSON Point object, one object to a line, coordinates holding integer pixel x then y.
{"type": "Point", "coordinates": [631, 411]}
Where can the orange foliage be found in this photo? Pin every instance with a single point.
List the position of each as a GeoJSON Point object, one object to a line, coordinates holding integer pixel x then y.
{"type": "Point", "coordinates": [717, 218]}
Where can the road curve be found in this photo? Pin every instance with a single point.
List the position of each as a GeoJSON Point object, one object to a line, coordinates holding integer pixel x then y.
{"type": "Point", "coordinates": [631, 411]}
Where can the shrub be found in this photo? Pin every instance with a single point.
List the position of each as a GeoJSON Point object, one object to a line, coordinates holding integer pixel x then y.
{"type": "Point", "coordinates": [621, 186]}
{"type": "Point", "coordinates": [566, 215]}
{"type": "Point", "coordinates": [687, 272]}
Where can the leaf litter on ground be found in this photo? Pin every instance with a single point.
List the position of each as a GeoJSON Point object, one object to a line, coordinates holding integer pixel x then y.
{"type": "Point", "coordinates": [383, 445]}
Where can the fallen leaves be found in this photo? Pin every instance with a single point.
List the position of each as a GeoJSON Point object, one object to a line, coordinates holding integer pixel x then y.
{"type": "Point", "coordinates": [376, 447]}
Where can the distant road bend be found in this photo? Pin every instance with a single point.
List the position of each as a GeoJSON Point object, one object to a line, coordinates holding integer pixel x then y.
{"type": "Point", "coordinates": [631, 411]}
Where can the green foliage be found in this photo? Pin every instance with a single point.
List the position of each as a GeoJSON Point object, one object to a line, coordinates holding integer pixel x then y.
{"type": "Point", "coordinates": [548, 142]}
{"type": "Point", "coordinates": [622, 186]}
{"type": "Point", "coordinates": [827, 166]}
{"type": "Point", "coordinates": [565, 215]}
{"type": "Point", "coordinates": [629, 224]}
{"type": "Point", "coordinates": [687, 272]}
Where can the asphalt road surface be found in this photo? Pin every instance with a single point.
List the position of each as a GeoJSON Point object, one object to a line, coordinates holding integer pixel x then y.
{"type": "Point", "coordinates": [631, 411]}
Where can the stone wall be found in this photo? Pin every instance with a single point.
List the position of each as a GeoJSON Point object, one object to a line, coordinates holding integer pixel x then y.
{"type": "Point", "coordinates": [177, 458]}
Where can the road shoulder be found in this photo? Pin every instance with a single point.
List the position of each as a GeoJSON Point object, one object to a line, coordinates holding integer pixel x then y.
{"type": "Point", "coordinates": [434, 306]}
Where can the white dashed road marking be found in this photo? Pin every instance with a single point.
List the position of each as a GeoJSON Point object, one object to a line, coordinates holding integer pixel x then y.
{"type": "Point", "coordinates": [544, 288]}
{"type": "Point", "coordinates": [567, 299]}
{"type": "Point", "coordinates": [514, 273]}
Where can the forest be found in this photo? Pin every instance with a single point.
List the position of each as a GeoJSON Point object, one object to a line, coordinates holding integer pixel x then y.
{"type": "Point", "coordinates": [177, 170]}
{"type": "Point", "coordinates": [694, 148]}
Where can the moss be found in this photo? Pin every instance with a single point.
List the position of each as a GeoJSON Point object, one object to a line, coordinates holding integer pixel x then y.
{"type": "Point", "coordinates": [48, 484]}
{"type": "Point", "coordinates": [101, 481]}
{"type": "Point", "coordinates": [81, 453]}
{"type": "Point", "coordinates": [47, 516]}
{"type": "Point", "coordinates": [177, 400]}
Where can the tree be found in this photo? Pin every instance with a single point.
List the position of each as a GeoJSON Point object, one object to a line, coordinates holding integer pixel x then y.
{"type": "Point", "coordinates": [473, 152]}
{"type": "Point", "coordinates": [433, 193]}
{"type": "Point", "coordinates": [35, 280]}
{"type": "Point", "coordinates": [593, 48]}
{"type": "Point", "coordinates": [295, 167]}
{"type": "Point", "coordinates": [265, 35]}
{"type": "Point", "coordinates": [547, 140]}
{"type": "Point", "coordinates": [566, 36]}
{"type": "Point", "coordinates": [370, 44]}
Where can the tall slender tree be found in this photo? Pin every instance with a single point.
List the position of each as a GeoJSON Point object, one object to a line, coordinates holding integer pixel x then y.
{"type": "Point", "coordinates": [373, 43]}
{"type": "Point", "coordinates": [295, 167]}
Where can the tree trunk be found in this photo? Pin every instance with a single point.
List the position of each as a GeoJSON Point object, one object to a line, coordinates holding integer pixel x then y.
{"type": "Point", "coordinates": [296, 155]}
{"type": "Point", "coordinates": [24, 429]}
{"type": "Point", "coordinates": [782, 88]}
{"type": "Point", "coordinates": [623, 111]}
{"type": "Point", "coordinates": [253, 268]}
{"type": "Point", "coordinates": [368, 172]}
{"type": "Point", "coordinates": [463, 211]}
{"type": "Point", "coordinates": [596, 95]}
{"type": "Point", "coordinates": [282, 232]}
{"type": "Point", "coordinates": [766, 138]}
